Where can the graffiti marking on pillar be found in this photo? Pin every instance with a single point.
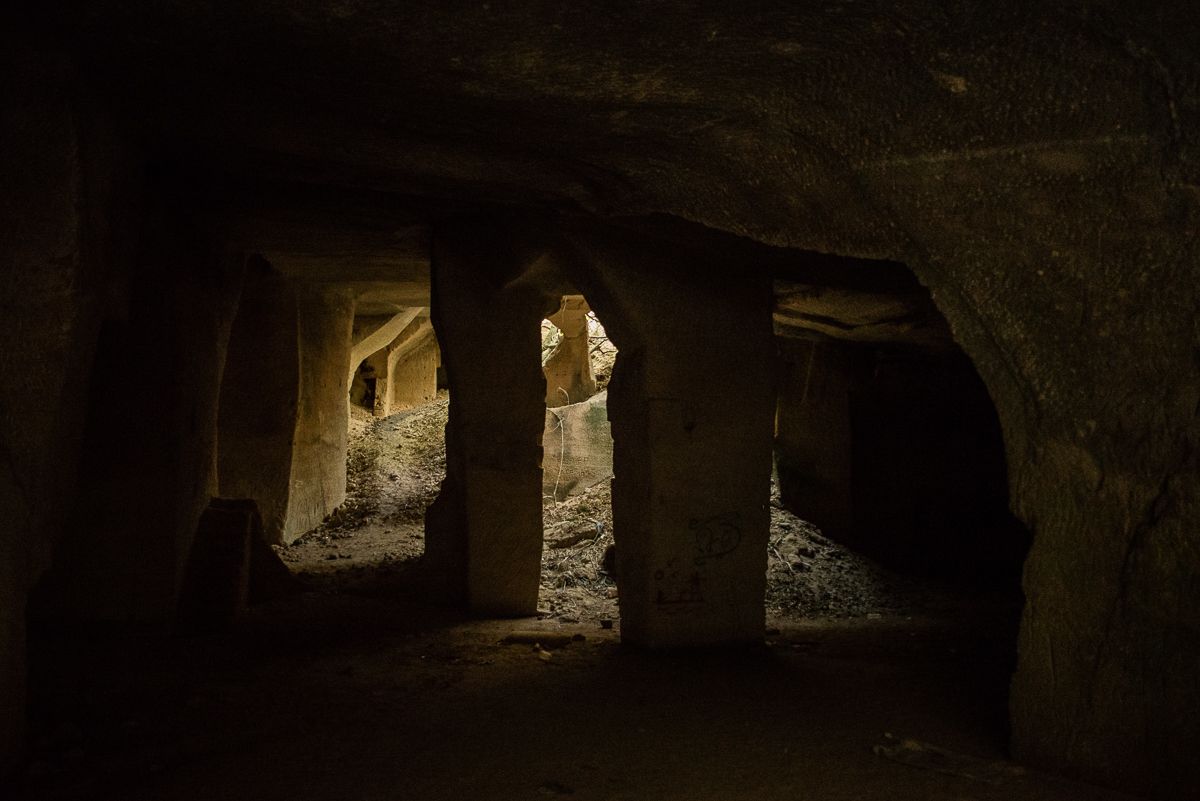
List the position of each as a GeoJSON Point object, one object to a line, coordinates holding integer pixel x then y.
{"type": "Point", "coordinates": [716, 535]}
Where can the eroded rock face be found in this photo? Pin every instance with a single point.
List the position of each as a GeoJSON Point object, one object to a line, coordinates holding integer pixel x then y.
{"type": "Point", "coordinates": [1037, 169]}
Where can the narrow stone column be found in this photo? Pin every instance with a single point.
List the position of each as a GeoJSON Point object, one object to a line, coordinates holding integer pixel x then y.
{"type": "Point", "coordinates": [813, 439]}
{"type": "Point", "coordinates": [569, 375]}
{"type": "Point", "coordinates": [485, 529]}
{"type": "Point", "coordinates": [692, 407]}
{"type": "Point", "coordinates": [285, 402]}
{"type": "Point", "coordinates": [318, 479]}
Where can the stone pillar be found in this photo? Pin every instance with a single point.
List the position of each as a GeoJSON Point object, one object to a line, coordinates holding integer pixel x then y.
{"type": "Point", "coordinates": [285, 403]}
{"type": "Point", "coordinates": [318, 474]}
{"type": "Point", "coordinates": [692, 407]}
{"type": "Point", "coordinates": [406, 370]}
{"type": "Point", "coordinates": [485, 528]}
{"type": "Point", "coordinates": [569, 376]}
{"type": "Point", "coordinates": [259, 398]}
{"type": "Point", "coordinates": [813, 439]}
{"type": "Point", "coordinates": [412, 378]}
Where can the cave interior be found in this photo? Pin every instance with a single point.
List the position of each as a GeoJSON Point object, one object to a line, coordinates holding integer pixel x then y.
{"type": "Point", "coordinates": [925, 276]}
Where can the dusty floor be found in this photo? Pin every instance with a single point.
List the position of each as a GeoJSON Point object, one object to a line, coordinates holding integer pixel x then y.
{"type": "Point", "coordinates": [396, 465]}
{"type": "Point", "coordinates": [340, 696]}
{"type": "Point", "coordinates": [360, 689]}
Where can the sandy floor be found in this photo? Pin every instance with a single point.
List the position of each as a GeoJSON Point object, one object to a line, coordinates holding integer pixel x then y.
{"type": "Point", "coordinates": [340, 696]}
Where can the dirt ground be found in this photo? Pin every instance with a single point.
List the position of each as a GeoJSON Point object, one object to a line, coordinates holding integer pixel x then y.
{"type": "Point", "coordinates": [394, 469]}
{"type": "Point", "coordinates": [396, 465]}
{"type": "Point", "coordinates": [341, 696]}
{"type": "Point", "coordinates": [361, 690]}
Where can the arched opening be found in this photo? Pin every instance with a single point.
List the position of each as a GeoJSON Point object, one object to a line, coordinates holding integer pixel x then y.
{"type": "Point", "coordinates": [896, 453]}
{"type": "Point", "coordinates": [890, 497]}
{"type": "Point", "coordinates": [889, 509]}
{"type": "Point", "coordinates": [395, 456]}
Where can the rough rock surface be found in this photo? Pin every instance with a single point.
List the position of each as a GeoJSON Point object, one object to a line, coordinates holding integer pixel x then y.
{"type": "Point", "coordinates": [576, 447]}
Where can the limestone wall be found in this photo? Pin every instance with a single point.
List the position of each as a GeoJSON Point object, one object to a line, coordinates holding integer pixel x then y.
{"type": "Point", "coordinates": [1086, 344]}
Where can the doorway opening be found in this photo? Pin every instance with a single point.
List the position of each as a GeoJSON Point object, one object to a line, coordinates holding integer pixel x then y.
{"type": "Point", "coordinates": [578, 573]}
{"type": "Point", "coordinates": [890, 498]}
{"type": "Point", "coordinates": [396, 460]}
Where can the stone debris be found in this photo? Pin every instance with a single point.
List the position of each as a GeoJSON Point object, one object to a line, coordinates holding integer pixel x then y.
{"type": "Point", "coordinates": [809, 575]}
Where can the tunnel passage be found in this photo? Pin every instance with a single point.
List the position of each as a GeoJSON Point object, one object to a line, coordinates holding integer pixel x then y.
{"type": "Point", "coordinates": [578, 575]}
{"type": "Point", "coordinates": [577, 359]}
{"type": "Point", "coordinates": [400, 374]}
{"type": "Point", "coordinates": [928, 491]}
{"type": "Point", "coordinates": [886, 437]}
{"type": "Point", "coordinates": [929, 470]}
{"type": "Point", "coordinates": [395, 462]}
{"type": "Point", "coordinates": [681, 432]}
{"type": "Point", "coordinates": [689, 443]}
